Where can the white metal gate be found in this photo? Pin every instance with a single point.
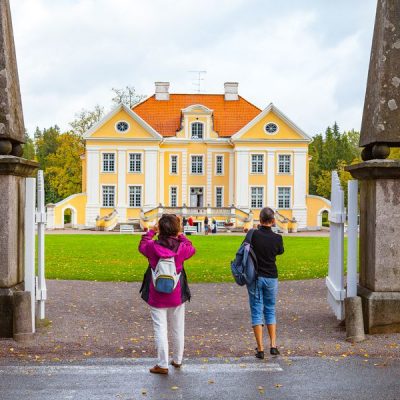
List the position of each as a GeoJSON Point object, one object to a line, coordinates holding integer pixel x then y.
{"type": "Point", "coordinates": [35, 216]}
{"type": "Point", "coordinates": [335, 278]}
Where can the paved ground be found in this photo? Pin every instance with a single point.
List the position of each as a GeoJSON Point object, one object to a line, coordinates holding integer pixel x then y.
{"type": "Point", "coordinates": [108, 319]}
{"type": "Point", "coordinates": [122, 379]}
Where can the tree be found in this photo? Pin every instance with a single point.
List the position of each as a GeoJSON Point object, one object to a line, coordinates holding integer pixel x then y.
{"type": "Point", "coordinates": [28, 147]}
{"type": "Point", "coordinates": [46, 143]}
{"type": "Point", "coordinates": [332, 151]}
{"type": "Point", "coordinates": [85, 119]}
{"type": "Point", "coordinates": [64, 169]}
{"type": "Point", "coordinates": [127, 96]}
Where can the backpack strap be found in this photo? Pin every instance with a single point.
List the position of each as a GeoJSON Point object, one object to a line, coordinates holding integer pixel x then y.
{"type": "Point", "coordinates": [249, 236]}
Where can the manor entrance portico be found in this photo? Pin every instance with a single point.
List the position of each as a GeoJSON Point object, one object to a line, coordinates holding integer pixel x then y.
{"type": "Point", "coordinates": [196, 197]}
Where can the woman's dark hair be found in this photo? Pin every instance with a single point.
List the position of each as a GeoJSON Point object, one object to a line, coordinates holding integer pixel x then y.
{"type": "Point", "coordinates": [169, 225]}
{"type": "Point", "coordinates": [267, 215]}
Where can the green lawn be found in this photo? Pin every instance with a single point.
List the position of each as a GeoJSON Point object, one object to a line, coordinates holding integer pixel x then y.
{"type": "Point", "coordinates": [116, 258]}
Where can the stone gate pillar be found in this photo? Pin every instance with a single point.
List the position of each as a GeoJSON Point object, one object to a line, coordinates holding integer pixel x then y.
{"type": "Point", "coordinates": [379, 178]}
{"type": "Point", "coordinates": [13, 171]}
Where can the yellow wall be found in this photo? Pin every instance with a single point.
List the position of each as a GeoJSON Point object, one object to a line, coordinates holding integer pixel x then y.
{"type": "Point", "coordinates": [78, 202]}
{"type": "Point", "coordinates": [314, 205]}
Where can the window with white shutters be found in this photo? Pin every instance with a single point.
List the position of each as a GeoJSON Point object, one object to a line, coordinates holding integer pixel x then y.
{"type": "Point", "coordinates": [257, 163]}
{"type": "Point", "coordinates": [108, 196]}
{"type": "Point", "coordinates": [135, 196]}
{"type": "Point", "coordinates": [135, 162]}
{"type": "Point", "coordinates": [257, 197]}
{"type": "Point", "coordinates": [284, 197]}
{"type": "Point", "coordinates": [108, 162]}
{"type": "Point", "coordinates": [197, 165]}
{"type": "Point", "coordinates": [284, 163]}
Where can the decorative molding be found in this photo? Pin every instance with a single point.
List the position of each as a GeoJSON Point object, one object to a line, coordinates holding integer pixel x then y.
{"type": "Point", "coordinates": [132, 114]}
{"type": "Point", "coordinates": [271, 108]}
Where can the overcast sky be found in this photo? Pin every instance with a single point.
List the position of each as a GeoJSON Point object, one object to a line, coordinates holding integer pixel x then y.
{"type": "Point", "coordinates": [309, 57]}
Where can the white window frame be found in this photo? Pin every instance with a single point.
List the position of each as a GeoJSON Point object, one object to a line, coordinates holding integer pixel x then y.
{"type": "Point", "coordinates": [102, 195]}
{"type": "Point", "coordinates": [216, 165]}
{"type": "Point", "coordinates": [263, 196]}
{"type": "Point", "coordinates": [141, 195]}
{"type": "Point", "coordinates": [191, 163]}
{"type": "Point", "coordinates": [102, 162]}
{"type": "Point", "coordinates": [291, 164]}
{"type": "Point", "coordinates": [222, 196]}
{"type": "Point", "coordinates": [191, 129]}
{"type": "Point", "coordinates": [177, 164]}
{"type": "Point", "coordinates": [290, 198]}
{"type": "Point", "coordinates": [141, 162]}
{"type": "Point", "coordinates": [251, 163]}
{"type": "Point", "coordinates": [170, 195]}
{"type": "Point", "coordinates": [118, 131]}
{"type": "Point", "coordinates": [271, 122]}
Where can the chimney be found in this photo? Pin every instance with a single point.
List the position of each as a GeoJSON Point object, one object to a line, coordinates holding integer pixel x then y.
{"type": "Point", "coordinates": [231, 91]}
{"type": "Point", "coordinates": [162, 90]}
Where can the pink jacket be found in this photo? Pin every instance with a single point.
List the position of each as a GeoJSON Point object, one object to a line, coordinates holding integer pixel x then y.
{"type": "Point", "coordinates": [154, 251]}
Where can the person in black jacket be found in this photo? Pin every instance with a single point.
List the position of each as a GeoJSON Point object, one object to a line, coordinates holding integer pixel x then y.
{"type": "Point", "coordinates": [262, 294]}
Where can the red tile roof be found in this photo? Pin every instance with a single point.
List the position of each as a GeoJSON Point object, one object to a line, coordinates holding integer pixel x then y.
{"type": "Point", "coordinates": [165, 115]}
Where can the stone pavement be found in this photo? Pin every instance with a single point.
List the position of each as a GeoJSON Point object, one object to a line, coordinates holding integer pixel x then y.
{"type": "Point", "coordinates": [126, 379]}
{"type": "Point", "coordinates": [108, 319]}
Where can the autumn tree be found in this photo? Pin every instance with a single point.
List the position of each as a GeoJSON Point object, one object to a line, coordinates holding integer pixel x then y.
{"type": "Point", "coordinates": [28, 147]}
{"type": "Point", "coordinates": [64, 167]}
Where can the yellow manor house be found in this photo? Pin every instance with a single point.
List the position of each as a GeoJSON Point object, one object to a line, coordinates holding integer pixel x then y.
{"type": "Point", "coordinates": [197, 155]}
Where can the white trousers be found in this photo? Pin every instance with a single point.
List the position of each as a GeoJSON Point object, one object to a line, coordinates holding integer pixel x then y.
{"type": "Point", "coordinates": [175, 317]}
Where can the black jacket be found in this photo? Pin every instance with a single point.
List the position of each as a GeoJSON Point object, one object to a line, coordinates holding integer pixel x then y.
{"type": "Point", "coordinates": [267, 245]}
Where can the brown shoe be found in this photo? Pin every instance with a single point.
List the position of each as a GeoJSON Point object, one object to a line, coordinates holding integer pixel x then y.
{"type": "Point", "coordinates": [158, 370]}
{"type": "Point", "coordinates": [176, 365]}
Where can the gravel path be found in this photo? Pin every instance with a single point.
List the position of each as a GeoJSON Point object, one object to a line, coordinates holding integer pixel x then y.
{"type": "Point", "coordinates": [108, 319]}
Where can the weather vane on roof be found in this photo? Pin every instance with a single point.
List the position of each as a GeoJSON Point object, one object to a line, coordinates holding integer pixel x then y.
{"type": "Point", "coordinates": [197, 81]}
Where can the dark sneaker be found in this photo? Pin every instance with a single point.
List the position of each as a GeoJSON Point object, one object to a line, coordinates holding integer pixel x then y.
{"type": "Point", "coordinates": [274, 351]}
{"type": "Point", "coordinates": [259, 354]}
{"type": "Point", "coordinates": [176, 365]}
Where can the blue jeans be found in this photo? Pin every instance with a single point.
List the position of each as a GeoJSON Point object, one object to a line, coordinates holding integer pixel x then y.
{"type": "Point", "coordinates": [262, 298]}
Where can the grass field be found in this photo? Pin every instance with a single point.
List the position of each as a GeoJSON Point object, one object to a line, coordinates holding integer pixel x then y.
{"type": "Point", "coordinates": [116, 258]}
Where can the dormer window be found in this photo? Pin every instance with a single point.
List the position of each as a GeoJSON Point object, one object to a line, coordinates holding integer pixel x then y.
{"type": "Point", "coordinates": [197, 130]}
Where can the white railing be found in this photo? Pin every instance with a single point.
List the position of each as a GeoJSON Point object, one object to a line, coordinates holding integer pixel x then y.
{"type": "Point", "coordinates": [337, 218]}
{"type": "Point", "coordinates": [35, 215]}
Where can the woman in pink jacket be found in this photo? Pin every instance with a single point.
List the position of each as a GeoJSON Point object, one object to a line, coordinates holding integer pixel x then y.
{"type": "Point", "coordinates": [167, 307]}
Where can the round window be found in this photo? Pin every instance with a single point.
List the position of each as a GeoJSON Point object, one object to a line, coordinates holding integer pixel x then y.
{"type": "Point", "coordinates": [271, 128]}
{"type": "Point", "coordinates": [122, 126]}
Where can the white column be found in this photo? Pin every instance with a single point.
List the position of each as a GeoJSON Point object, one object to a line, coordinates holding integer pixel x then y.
{"type": "Point", "coordinates": [271, 179]}
{"type": "Point", "coordinates": [231, 174]}
{"type": "Point", "coordinates": [242, 179]}
{"type": "Point", "coordinates": [209, 178]}
{"type": "Point", "coordinates": [92, 186]}
{"type": "Point", "coordinates": [300, 186]}
{"type": "Point", "coordinates": [161, 172]}
{"type": "Point", "coordinates": [150, 178]}
{"type": "Point", "coordinates": [184, 177]}
{"type": "Point", "coordinates": [121, 196]}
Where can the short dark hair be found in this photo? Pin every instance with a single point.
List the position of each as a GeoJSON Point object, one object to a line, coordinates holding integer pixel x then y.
{"type": "Point", "coordinates": [267, 215]}
{"type": "Point", "coordinates": [169, 225]}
